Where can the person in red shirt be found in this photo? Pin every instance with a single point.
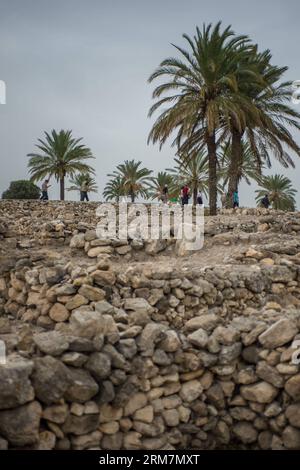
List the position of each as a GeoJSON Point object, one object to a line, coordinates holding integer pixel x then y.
{"type": "Point", "coordinates": [185, 193]}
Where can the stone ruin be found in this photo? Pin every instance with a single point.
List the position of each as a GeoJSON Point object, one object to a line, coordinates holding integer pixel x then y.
{"type": "Point", "coordinates": [145, 345]}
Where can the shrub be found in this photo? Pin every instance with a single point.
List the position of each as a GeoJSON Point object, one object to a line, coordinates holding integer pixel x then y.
{"type": "Point", "coordinates": [22, 189]}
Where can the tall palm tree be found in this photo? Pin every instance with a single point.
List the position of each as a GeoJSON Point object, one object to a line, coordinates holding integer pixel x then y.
{"type": "Point", "coordinates": [62, 155]}
{"type": "Point", "coordinates": [134, 178]}
{"type": "Point", "coordinates": [114, 189]}
{"type": "Point", "coordinates": [247, 166]}
{"type": "Point", "coordinates": [280, 190]}
{"type": "Point", "coordinates": [266, 127]}
{"type": "Point", "coordinates": [79, 178]}
{"type": "Point", "coordinates": [193, 172]}
{"type": "Point", "coordinates": [158, 183]}
{"type": "Point", "coordinates": [201, 94]}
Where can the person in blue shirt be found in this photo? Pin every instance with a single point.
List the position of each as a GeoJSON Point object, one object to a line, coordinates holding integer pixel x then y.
{"type": "Point", "coordinates": [235, 199]}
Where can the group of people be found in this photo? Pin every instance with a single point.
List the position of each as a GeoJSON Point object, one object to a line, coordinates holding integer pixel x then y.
{"type": "Point", "coordinates": [230, 199]}
{"type": "Point", "coordinates": [83, 191]}
{"type": "Point", "coordinates": [227, 199]}
{"type": "Point", "coordinates": [185, 195]}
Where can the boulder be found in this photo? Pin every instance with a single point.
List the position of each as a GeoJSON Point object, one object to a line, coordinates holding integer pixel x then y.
{"type": "Point", "coordinates": [191, 390]}
{"type": "Point", "coordinates": [261, 392]}
{"type": "Point", "coordinates": [278, 334]}
{"type": "Point", "coordinates": [245, 432]}
{"type": "Point", "coordinates": [15, 385]}
{"type": "Point", "coordinates": [99, 365]}
{"type": "Point", "coordinates": [207, 322]}
{"type": "Point", "coordinates": [292, 387]}
{"type": "Point", "coordinates": [80, 425]}
{"type": "Point", "coordinates": [58, 312]}
{"type": "Point", "coordinates": [50, 379]}
{"type": "Point", "coordinates": [293, 415]}
{"type": "Point", "coordinates": [92, 293]}
{"type": "Point", "coordinates": [83, 387]}
{"type": "Point", "coordinates": [198, 338]}
{"type": "Point", "coordinates": [52, 342]}
{"type": "Point", "coordinates": [20, 426]}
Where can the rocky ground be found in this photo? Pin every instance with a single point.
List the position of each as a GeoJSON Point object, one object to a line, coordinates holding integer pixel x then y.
{"type": "Point", "coordinates": [140, 344]}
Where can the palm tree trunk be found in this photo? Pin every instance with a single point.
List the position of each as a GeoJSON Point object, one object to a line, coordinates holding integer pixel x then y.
{"type": "Point", "coordinates": [235, 162]}
{"type": "Point", "coordinates": [195, 192]}
{"type": "Point", "coordinates": [212, 170]}
{"type": "Point", "coordinates": [132, 196]}
{"type": "Point", "coordinates": [62, 188]}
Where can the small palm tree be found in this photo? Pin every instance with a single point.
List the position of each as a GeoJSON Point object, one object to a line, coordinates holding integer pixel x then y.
{"type": "Point", "coordinates": [280, 190]}
{"type": "Point", "coordinates": [193, 172]}
{"type": "Point", "coordinates": [158, 184]}
{"type": "Point", "coordinates": [62, 155]}
{"type": "Point", "coordinates": [135, 179]}
{"type": "Point", "coordinates": [78, 179]}
{"type": "Point", "coordinates": [114, 189]}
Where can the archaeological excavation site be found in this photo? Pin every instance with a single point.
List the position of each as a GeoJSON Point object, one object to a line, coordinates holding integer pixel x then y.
{"type": "Point", "coordinates": [142, 344]}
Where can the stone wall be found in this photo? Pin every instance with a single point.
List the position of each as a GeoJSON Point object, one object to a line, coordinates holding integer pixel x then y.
{"type": "Point", "coordinates": [152, 357]}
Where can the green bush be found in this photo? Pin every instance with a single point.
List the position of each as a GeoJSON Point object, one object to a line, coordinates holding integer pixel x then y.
{"type": "Point", "coordinates": [22, 189]}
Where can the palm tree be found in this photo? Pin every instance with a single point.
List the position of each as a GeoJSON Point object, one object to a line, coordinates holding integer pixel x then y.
{"type": "Point", "coordinates": [114, 189]}
{"type": "Point", "coordinates": [79, 178]}
{"type": "Point", "coordinates": [134, 178]}
{"type": "Point", "coordinates": [266, 126]}
{"type": "Point", "coordinates": [280, 190]}
{"type": "Point", "coordinates": [158, 184]}
{"type": "Point", "coordinates": [202, 93]}
{"type": "Point", "coordinates": [247, 167]}
{"type": "Point", "coordinates": [193, 172]}
{"type": "Point", "coordinates": [62, 155]}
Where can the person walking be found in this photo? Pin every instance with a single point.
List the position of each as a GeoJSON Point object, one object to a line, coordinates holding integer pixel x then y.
{"type": "Point", "coordinates": [165, 193]}
{"type": "Point", "coordinates": [45, 186]}
{"type": "Point", "coordinates": [265, 202]}
{"type": "Point", "coordinates": [199, 198]}
{"type": "Point", "coordinates": [84, 191]}
{"type": "Point", "coordinates": [236, 202]}
{"type": "Point", "coordinates": [185, 192]}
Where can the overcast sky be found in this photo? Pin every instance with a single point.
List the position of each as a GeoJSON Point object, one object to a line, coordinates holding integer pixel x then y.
{"type": "Point", "coordinates": [83, 65]}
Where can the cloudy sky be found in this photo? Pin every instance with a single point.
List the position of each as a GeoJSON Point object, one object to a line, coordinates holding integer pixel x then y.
{"type": "Point", "coordinates": [83, 65]}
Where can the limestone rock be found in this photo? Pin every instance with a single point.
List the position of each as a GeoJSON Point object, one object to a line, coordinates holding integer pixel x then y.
{"type": "Point", "coordinates": [293, 415]}
{"type": "Point", "coordinates": [82, 388]}
{"type": "Point", "coordinates": [79, 425]}
{"type": "Point", "coordinates": [50, 379]}
{"type": "Point", "coordinates": [245, 432]}
{"type": "Point", "coordinates": [291, 438]}
{"type": "Point", "coordinates": [278, 334]}
{"type": "Point", "coordinates": [92, 293]}
{"type": "Point", "coordinates": [261, 392]}
{"type": "Point", "coordinates": [99, 365]}
{"type": "Point", "coordinates": [151, 334]}
{"type": "Point", "coordinates": [20, 426]}
{"type": "Point", "coordinates": [198, 338]}
{"type": "Point", "coordinates": [292, 387]}
{"type": "Point", "coordinates": [59, 312]}
{"type": "Point", "coordinates": [190, 390]}
{"type": "Point", "coordinates": [207, 322]}
{"type": "Point", "coordinates": [15, 386]}
{"type": "Point", "coordinates": [52, 342]}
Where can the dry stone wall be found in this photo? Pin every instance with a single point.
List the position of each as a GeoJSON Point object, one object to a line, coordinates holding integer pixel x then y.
{"type": "Point", "coordinates": [155, 359]}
